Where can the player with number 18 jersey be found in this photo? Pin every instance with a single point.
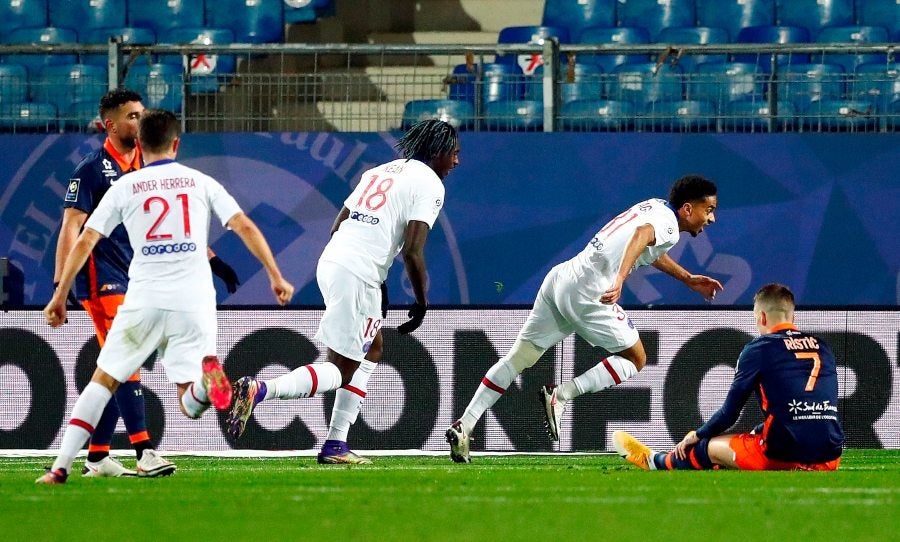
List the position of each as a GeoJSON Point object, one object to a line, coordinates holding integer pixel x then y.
{"type": "Point", "coordinates": [382, 204]}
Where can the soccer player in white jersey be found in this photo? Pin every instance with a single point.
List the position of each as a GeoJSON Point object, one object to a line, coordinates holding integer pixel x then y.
{"type": "Point", "coordinates": [170, 306]}
{"type": "Point", "coordinates": [390, 211]}
{"type": "Point", "coordinates": [580, 295]}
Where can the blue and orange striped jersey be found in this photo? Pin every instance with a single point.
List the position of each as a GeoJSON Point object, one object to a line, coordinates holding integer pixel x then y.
{"type": "Point", "coordinates": [106, 271]}
{"type": "Point", "coordinates": [795, 376]}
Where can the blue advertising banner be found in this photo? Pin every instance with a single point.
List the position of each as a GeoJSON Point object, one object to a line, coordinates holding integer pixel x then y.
{"type": "Point", "coordinates": [815, 211]}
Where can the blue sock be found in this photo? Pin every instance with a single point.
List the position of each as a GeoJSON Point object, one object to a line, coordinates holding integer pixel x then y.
{"type": "Point", "coordinates": [130, 398]}
{"type": "Point", "coordinates": [260, 393]}
{"type": "Point", "coordinates": [697, 459]}
{"type": "Point", "coordinates": [98, 447]}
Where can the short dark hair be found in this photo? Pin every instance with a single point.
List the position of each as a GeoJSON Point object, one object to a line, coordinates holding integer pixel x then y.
{"type": "Point", "coordinates": [691, 188]}
{"type": "Point", "coordinates": [774, 296]}
{"type": "Point", "coordinates": [427, 140]}
{"type": "Point", "coordinates": [157, 130]}
{"type": "Point", "coordinates": [115, 99]}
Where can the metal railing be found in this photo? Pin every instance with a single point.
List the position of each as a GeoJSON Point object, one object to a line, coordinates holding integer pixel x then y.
{"type": "Point", "coordinates": [547, 87]}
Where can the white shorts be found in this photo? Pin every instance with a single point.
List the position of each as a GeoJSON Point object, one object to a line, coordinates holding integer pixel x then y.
{"type": "Point", "coordinates": [562, 308]}
{"type": "Point", "coordinates": [352, 311]}
{"type": "Point", "coordinates": [181, 339]}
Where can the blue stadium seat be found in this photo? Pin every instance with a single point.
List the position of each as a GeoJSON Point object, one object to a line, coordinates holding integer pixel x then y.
{"type": "Point", "coordinates": [576, 15]}
{"type": "Point", "coordinates": [460, 114]}
{"type": "Point", "coordinates": [159, 84]}
{"type": "Point", "coordinates": [618, 36]}
{"type": "Point", "coordinates": [755, 116]}
{"type": "Point", "coordinates": [207, 71]}
{"type": "Point", "coordinates": [130, 35]}
{"type": "Point", "coordinates": [251, 21]}
{"type": "Point", "coordinates": [515, 116]}
{"type": "Point", "coordinates": [852, 34]}
{"type": "Point", "coordinates": [163, 15]}
{"type": "Point", "coordinates": [307, 11]}
{"type": "Point", "coordinates": [806, 84]}
{"type": "Point", "coordinates": [654, 15]}
{"type": "Point", "coordinates": [13, 85]}
{"type": "Point", "coordinates": [41, 36]}
{"type": "Point", "coordinates": [86, 15]}
{"type": "Point", "coordinates": [840, 116]}
{"type": "Point", "coordinates": [878, 83]}
{"type": "Point", "coordinates": [64, 85]}
{"type": "Point", "coordinates": [680, 116]}
{"type": "Point", "coordinates": [596, 116]}
{"type": "Point", "coordinates": [21, 14]}
{"type": "Point", "coordinates": [772, 34]}
{"type": "Point", "coordinates": [578, 82]}
{"type": "Point", "coordinates": [814, 15]}
{"type": "Point", "coordinates": [528, 34]}
{"type": "Point", "coordinates": [694, 35]}
{"type": "Point", "coordinates": [733, 15]}
{"type": "Point", "coordinates": [884, 13]}
{"type": "Point", "coordinates": [74, 90]}
{"type": "Point", "coordinates": [30, 117]}
{"type": "Point", "coordinates": [726, 82]}
{"type": "Point", "coordinates": [502, 83]}
{"type": "Point", "coordinates": [645, 84]}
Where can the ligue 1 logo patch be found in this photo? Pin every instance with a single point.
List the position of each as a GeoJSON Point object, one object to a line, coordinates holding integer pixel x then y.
{"type": "Point", "coordinates": [72, 191]}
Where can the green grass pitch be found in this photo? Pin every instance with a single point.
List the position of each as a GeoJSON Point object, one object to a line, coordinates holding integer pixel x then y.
{"type": "Point", "coordinates": [497, 498]}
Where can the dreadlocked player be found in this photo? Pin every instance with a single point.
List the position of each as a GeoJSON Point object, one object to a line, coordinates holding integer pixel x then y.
{"type": "Point", "coordinates": [391, 210]}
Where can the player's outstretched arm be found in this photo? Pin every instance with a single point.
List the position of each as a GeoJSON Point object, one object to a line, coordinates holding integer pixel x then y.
{"type": "Point", "coordinates": [55, 311]}
{"type": "Point", "coordinates": [256, 243]}
{"type": "Point", "coordinates": [703, 285]}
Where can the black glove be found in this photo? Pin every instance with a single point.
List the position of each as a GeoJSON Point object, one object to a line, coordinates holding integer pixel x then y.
{"type": "Point", "coordinates": [384, 300]}
{"type": "Point", "coordinates": [416, 315]}
{"type": "Point", "coordinates": [224, 272]}
{"type": "Point", "coordinates": [71, 301]}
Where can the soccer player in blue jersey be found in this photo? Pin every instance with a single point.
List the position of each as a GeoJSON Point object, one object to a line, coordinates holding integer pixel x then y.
{"type": "Point", "coordinates": [795, 377]}
{"type": "Point", "coordinates": [100, 286]}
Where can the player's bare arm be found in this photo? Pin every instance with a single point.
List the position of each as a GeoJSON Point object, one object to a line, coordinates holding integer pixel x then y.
{"type": "Point", "coordinates": [72, 222]}
{"type": "Point", "coordinates": [703, 285]}
{"type": "Point", "coordinates": [256, 243]}
{"type": "Point", "coordinates": [642, 237]}
{"type": "Point", "coordinates": [55, 311]}
{"type": "Point", "coordinates": [414, 258]}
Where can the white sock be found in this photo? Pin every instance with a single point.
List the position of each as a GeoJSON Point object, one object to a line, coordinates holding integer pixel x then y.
{"type": "Point", "coordinates": [305, 381]}
{"type": "Point", "coordinates": [348, 400]}
{"type": "Point", "coordinates": [195, 400]}
{"type": "Point", "coordinates": [492, 386]}
{"type": "Point", "coordinates": [609, 372]}
{"type": "Point", "coordinates": [85, 415]}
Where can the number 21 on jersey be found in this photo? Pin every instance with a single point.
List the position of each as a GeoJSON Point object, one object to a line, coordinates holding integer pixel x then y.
{"type": "Point", "coordinates": [160, 206]}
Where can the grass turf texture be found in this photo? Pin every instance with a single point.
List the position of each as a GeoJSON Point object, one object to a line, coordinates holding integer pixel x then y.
{"type": "Point", "coordinates": [429, 498]}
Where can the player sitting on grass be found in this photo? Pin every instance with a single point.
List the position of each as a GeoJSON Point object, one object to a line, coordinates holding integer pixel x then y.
{"type": "Point", "coordinates": [795, 376]}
